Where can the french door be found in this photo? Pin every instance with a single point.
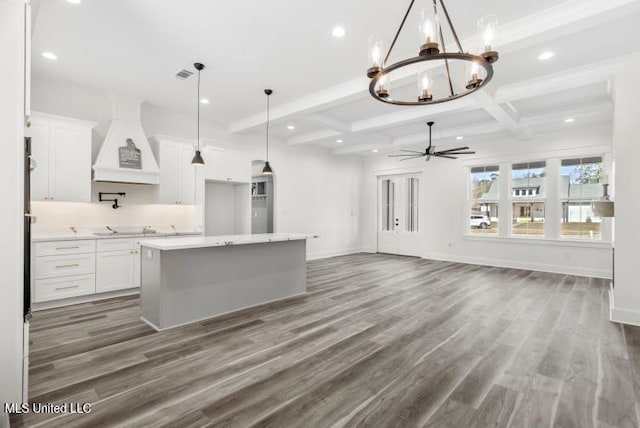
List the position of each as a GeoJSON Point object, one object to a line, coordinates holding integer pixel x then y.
{"type": "Point", "coordinates": [399, 213]}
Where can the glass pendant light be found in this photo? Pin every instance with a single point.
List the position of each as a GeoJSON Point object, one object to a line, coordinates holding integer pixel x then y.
{"type": "Point", "coordinates": [429, 29]}
{"type": "Point", "coordinates": [267, 168]}
{"type": "Point", "coordinates": [487, 27]}
{"type": "Point", "coordinates": [197, 159]}
{"type": "Point", "coordinates": [424, 87]}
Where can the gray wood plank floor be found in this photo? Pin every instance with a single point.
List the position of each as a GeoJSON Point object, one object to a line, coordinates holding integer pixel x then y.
{"type": "Point", "coordinates": [379, 341]}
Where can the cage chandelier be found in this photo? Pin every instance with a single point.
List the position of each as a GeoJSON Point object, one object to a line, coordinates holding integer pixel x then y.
{"type": "Point", "coordinates": [432, 47]}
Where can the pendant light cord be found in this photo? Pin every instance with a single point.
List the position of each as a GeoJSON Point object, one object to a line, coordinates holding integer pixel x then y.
{"type": "Point", "coordinates": [268, 127]}
{"type": "Point", "coordinates": [199, 110]}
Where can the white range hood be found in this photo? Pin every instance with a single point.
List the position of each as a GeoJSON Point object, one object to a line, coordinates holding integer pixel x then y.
{"type": "Point", "coordinates": [125, 155]}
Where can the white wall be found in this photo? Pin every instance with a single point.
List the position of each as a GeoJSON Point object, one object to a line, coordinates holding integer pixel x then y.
{"type": "Point", "coordinates": [315, 193]}
{"type": "Point", "coordinates": [226, 209]}
{"type": "Point", "coordinates": [11, 216]}
{"type": "Point", "coordinates": [626, 139]}
{"type": "Point", "coordinates": [445, 215]}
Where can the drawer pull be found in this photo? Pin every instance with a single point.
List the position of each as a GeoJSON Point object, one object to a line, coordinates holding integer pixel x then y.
{"type": "Point", "coordinates": [67, 248]}
{"type": "Point", "coordinates": [68, 266]}
{"type": "Point", "coordinates": [67, 287]}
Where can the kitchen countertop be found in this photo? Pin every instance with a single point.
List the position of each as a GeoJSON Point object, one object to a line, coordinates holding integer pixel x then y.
{"type": "Point", "coordinates": [89, 235]}
{"type": "Point", "coordinates": [221, 241]}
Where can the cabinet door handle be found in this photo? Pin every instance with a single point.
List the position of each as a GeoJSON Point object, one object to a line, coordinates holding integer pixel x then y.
{"type": "Point", "coordinates": [67, 248]}
{"type": "Point", "coordinates": [68, 266]}
{"type": "Point", "coordinates": [67, 288]}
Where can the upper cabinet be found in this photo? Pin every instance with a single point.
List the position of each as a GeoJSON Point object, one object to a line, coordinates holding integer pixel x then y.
{"type": "Point", "coordinates": [226, 165]}
{"type": "Point", "coordinates": [60, 158]}
{"type": "Point", "coordinates": [177, 174]}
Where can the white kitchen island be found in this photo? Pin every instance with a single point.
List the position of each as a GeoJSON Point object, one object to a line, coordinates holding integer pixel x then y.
{"type": "Point", "coordinates": [185, 280]}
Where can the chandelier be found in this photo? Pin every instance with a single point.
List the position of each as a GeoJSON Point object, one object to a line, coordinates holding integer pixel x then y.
{"type": "Point", "coordinates": [478, 69]}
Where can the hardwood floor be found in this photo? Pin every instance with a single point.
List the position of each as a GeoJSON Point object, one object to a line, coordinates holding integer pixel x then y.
{"type": "Point", "coordinates": [379, 341]}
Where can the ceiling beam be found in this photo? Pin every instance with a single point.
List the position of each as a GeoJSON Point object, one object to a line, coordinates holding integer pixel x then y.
{"type": "Point", "coordinates": [313, 136]}
{"type": "Point", "coordinates": [565, 18]}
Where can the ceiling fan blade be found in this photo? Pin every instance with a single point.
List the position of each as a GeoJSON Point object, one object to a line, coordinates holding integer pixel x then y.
{"type": "Point", "coordinates": [455, 150]}
{"type": "Point", "coordinates": [410, 151]}
{"type": "Point", "coordinates": [407, 155]}
{"type": "Point", "coordinates": [445, 156]}
{"type": "Point", "coordinates": [457, 153]}
{"type": "Point", "coordinates": [412, 157]}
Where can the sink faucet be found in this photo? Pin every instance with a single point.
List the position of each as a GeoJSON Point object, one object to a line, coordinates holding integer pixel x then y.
{"type": "Point", "coordinates": [111, 230]}
{"type": "Point", "coordinates": [73, 229]}
{"type": "Point", "coordinates": [148, 229]}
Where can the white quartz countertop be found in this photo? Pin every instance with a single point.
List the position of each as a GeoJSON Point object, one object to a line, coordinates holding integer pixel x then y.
{"type": "Point", "coordinates": [77, 236]}
{"type": "Point", "coordinates": [221, 241]}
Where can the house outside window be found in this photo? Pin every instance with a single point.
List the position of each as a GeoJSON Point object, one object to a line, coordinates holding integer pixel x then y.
{"type": "Point", "coordinates": [484, 199]}
{"type": "Point", "coordinates": [580, 184]}
{"type": "Point", "coordinates": [528, 193]}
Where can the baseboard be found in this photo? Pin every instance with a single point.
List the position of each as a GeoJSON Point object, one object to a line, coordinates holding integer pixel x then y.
{"type": "Point", "coordinates": [327, 254]}
{"type": "Point", "coordinates": [567, 270]}
{"type": "Point", "coordinates": [82, 299]}
{"type": "Point", "coordinates": [623, 316]}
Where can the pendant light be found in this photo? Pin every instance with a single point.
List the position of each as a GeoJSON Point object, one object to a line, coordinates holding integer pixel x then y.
{"type": "Point", "coordinates": [197, 159]}
{"type": "Point", "coordinates": [267, 168]}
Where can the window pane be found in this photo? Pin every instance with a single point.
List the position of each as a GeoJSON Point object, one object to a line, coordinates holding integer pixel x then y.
{"type": "Point", "coordinates": [484, 218]}
{"type": "Point", "coordinates": [581, 183]}
{"type": "Point", "coordinates": [528, 218]}
{"type": "Point", "coordinates": [528, 180]}
{"type": "Point", "coordinates": [484, 195]}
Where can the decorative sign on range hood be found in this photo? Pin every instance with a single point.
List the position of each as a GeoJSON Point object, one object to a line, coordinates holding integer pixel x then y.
{"type": "Point", "coordinates": [125, 155]}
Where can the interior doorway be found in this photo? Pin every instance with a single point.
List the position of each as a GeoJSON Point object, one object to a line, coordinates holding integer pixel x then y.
{"type": "Point", "coordinates": [399, 214]}
{"type": "Point", "coordinates": [262, 199]}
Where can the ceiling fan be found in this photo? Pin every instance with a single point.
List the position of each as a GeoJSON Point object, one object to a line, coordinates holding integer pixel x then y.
{"type": "Point", "coordinates": [431, 151]}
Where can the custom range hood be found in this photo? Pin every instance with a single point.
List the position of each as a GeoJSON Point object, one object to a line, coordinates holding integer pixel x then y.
{"type": "Point", "coordinates": [125, 155]}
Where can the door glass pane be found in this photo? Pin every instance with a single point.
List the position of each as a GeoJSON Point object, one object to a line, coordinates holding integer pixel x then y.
{"type": "Point", "coordinates": [387, 208]}
{"type": "Point", "coordinates": [581, 183]}
{"type": "Point", "coordinates": [412, 204]}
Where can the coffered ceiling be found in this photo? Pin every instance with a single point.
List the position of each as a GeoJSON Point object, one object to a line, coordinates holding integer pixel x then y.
{"type": "Point", "coordinates": [135, 47]}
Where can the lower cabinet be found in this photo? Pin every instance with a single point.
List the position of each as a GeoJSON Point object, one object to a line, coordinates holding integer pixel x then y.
{"type": "Point", "coordinates": [64, 287]}
{"type": "Point", "coordinates": [114, 270]}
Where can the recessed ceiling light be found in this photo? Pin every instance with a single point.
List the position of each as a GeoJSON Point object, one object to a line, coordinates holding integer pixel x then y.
{"type": "Point", "coordinates": [339, 141]}
{"type": "Point", "coordinates": [375, 150]}
{"type": "Point", "coordinates": [459, 137]}
{"type": "Point", "coordinates": [291, 127]}
{"type": "Point", "coordinates": [546, 55]}
{"type": "Point", "coordinates": [49, 55]}
{"type": "Point", "coordinates": [204, 101]}
{"type": "Point", "coordinates": [569, 120]}
{"type": "Point", "coordinates": [338, 31]}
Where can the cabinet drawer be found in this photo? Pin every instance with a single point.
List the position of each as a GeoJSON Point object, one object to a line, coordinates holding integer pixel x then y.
{"type": "Point", "coordinates": [60, 266]}
{"type": "Point", "coordinates": [62, 288]}
{"type": "Point", "coordinates": [58, 248]}
{"type": "Point", "coordinates": [119, 244]}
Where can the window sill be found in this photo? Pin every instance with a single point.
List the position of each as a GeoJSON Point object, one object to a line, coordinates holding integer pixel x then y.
{"type": "Point", "coordinates": [540, 241]}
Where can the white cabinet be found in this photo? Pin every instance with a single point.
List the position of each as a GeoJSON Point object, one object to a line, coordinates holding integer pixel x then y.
{"type": "Point", "coordinates": [115, 263]}
{"type": "Point", "coordinates": [64, 269]}
{"type": "Point", "coordinates": [114, 270]}
{"type": "Point", "coordinates": [177, 174]}
{"type": "Point", "coordinates": [227, 165]}
{"type": "Point", "coordinates": [61, 155]}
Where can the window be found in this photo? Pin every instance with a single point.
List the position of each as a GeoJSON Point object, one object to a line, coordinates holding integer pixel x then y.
{"type": "Point", "coordinates": [484, 197]}
{"type": "Point", "coordinates": [413, 198]}
{"type": "Point", "coordinates": [528, 184]}
{"type": "Point", "coordinates": [388, 198]}
{"type": "Point", "coordinates": [580, 184]}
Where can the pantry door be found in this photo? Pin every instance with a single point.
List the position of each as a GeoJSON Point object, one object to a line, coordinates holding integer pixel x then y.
{"type": "Point", "coordinates": [399, 215]}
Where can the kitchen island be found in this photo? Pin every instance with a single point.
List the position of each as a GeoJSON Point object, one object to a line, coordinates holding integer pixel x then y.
{"type": "Point", "coordinates": [185, 280]}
